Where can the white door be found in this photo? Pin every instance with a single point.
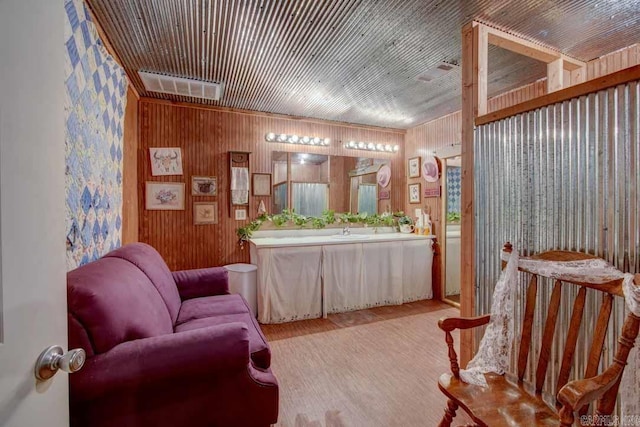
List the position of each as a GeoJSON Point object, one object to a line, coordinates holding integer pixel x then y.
{"type": "Point", "coordinates": [32, 209]}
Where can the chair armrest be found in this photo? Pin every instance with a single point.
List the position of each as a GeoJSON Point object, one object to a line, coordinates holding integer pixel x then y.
{"type": "Point", "coordinates": [203, 282]}
{"type": "Point", "coordinates": [576, 394]}
{"type": "Point", "coordinates": [213, 351]}
{"type": "Point", "coordinates": [448, 324]}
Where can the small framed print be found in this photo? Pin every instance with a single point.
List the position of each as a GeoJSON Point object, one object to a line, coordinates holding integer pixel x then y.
{"type": "Point", "coordinates": [204, 186]}
{"type": "Point", "coordinates": [205, 213]}
{"type": "Point", "coordinates": [241, 214]}
{"type": "Point", "coordinates": [164, 196]}
{"type": "Point", "coordinates": [261, 184]}
{"type": "Point", "coordinates": [165, 161]}
{"type": "Point", "coordinates": [414, 167]}
{"type": "Point", "coordinates": [414, 193]}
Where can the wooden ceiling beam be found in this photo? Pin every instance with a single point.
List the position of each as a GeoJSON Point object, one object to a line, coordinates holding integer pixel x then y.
{"type": "Point", "coordinates": [557, 62]}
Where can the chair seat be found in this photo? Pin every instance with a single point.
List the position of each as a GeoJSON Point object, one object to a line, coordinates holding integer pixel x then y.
{"type": "Point", "coordinates": [502, 404]}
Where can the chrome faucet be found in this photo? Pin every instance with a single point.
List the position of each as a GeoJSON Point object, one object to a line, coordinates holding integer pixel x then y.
{"type": "Point", "coordinates": [346, 231]}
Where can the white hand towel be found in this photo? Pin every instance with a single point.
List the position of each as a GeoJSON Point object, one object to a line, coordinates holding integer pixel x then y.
{"type": "Point", "coordinates": [240, 179]}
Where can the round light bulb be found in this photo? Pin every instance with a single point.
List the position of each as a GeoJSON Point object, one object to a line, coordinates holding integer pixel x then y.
{"type": "Point", "coordinates": [396, 148]}
{"type": "Point", "coordinates": [380, 147]}
{"type": "Point", "coordinates": [371, 146]}
{"type": "Point", "coordinates": [294, 138]}
{"type": "Point", "coordinates": [316, 140]}
{"type": "Point", "coordinates": [327, 141]}
{"type": "Point", "coordinates": [282, 137]}
{"type": "Point", "coordinates": [271, 136]}
{"type": "Point", "coordinates": [305, 139]}
{"type": "Point", "coordinates": [352, 144]}
{"type": "Point", "coordinates": [361, 145]}
{"type": "Point", "coordinates": [388, 147]}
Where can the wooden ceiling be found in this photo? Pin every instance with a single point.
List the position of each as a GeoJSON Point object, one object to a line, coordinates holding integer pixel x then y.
{"type": "Point", "coordinates": [354, 61]}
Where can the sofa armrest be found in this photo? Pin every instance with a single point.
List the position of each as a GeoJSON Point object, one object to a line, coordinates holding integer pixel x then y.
{"type": "Point", "coordinates": [213, 351]}
{"type": "Point", "coordinates": [202, 282]}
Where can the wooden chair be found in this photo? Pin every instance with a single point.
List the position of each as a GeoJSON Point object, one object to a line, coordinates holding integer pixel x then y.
{"type": "Point", "coordinates": [509, 400]}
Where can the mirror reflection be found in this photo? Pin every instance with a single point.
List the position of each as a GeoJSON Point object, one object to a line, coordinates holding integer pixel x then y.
{"type": "Point", "coordinates": [313, 183]}
{"type": "Point", "coordinates": [452, 172]}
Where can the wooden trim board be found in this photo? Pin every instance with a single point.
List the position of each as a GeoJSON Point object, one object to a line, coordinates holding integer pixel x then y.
{"type": "Point", "coordinates": [621, 77]}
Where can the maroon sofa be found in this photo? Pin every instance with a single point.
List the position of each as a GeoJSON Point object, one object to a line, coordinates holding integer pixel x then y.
{"type": "Point", "coordinates": [165, 349]}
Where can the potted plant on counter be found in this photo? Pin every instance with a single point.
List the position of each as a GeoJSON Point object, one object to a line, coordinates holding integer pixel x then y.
{"type": "Point", "coordinates": [406, 224]}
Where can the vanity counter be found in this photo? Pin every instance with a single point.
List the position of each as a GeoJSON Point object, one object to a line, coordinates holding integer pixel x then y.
{"type": "Point", "coordinates": [310, 275]}
{"type": "Point", "coordinates": [334, 239]}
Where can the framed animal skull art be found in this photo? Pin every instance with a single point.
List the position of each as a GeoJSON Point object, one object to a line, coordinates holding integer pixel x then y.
{"type": "Point", "coordinates": [166, 161]}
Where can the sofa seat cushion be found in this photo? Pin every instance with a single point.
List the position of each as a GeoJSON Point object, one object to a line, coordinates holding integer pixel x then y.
{"type": "Point", "coordinates": [219, 305]}
{"type": "Point", "coordinates": [260, 352]}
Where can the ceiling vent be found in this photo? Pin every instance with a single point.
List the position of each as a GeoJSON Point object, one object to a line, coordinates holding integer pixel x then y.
{"type": "Point", "coordinates": [180, 86]}
{"type": "Point", "coordinates": [436, 72]}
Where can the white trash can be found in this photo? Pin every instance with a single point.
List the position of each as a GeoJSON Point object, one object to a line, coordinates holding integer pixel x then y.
{"type": "Point", "coordinates": [243, 281]}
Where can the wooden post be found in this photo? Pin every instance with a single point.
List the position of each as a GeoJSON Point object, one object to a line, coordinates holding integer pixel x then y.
{"type": "Point", "coordinates": [474, 71]}
{"type": "Point", "coordinates": [555, 75]}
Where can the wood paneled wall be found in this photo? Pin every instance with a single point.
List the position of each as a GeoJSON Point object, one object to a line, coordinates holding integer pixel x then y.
{"type": "Point", "coordinates": [206, 135]}
{"type": "Point", "coordinates": [518, 95]}
{"type": "Point", "coordinates": [130, 171]}
{"type": "Point", "coordinates": [424, 140]}
{"type": "Point", "coordinates": [614, 61]}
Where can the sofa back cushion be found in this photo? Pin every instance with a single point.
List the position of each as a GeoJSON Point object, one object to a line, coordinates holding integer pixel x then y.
{"type": "Point", "coordinates": [147, 259]}
{"type": "Point", "coordinates": [113, 301]}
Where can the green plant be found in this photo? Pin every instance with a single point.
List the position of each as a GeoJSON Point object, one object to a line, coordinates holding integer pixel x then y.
{"type": "Point", "coordinates": [318, 222]}
{"type": "Point", "coordinates": [453, 217]}
{"type": "Point", "coordinates": [328, 217]}
{"type": "Point", "coordinates": [405, 220]}
{"type": "Point", "coordinates": [280, 219]}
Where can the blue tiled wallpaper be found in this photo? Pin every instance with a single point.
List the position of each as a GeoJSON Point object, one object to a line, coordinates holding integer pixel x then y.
{"type": "Point", "coordinates": [94, 110]}
{"type": "Point", "coordinates": [454, 190]}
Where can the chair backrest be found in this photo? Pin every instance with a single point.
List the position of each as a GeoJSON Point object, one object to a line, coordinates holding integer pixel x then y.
{"type": "Point", "coordinates": [610, 289]}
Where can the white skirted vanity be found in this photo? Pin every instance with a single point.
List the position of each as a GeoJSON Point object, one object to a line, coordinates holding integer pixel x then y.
{"type": "Point", "coordinates": [305, 274]}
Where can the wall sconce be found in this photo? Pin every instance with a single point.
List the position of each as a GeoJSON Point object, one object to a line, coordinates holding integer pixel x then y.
{"type": "Point", "coordinates": [370, 146]}
{"type": "Point", "coordinates": [295, 139]}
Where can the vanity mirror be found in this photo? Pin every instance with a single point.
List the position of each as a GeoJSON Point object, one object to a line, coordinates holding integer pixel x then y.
{"type": "Point", "coordinates": [313, 183]}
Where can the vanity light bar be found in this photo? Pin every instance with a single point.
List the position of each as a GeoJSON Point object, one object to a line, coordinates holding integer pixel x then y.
{"type": "Point", "coordinates": [370, 146]}
{"type": "Point", "coordinates": [295, 139]}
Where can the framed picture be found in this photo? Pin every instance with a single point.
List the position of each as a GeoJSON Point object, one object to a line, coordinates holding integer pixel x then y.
{"type": "Point", "coordinates": [261, 184]}
{"type": "Point", "coordinates": [166, 161]}
{"type": "Point", "coordinates": [204, 186]}
{"type": "Point", "coordinates": [414, 193]}
{"type": "Point", "coordinates": [205, 213]}
{"type": "Point", "coordinates": [241, 214]}
{"type": "Point", "coordinates": [414, 167]}
{"type": "Point", "coordinates": [164, 196]}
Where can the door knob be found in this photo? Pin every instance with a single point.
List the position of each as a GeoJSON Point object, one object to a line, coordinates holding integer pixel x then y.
{"type": "Point", "coordinates": [54, 358]}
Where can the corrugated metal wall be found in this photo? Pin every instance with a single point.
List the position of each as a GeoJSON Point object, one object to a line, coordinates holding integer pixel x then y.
{"type": "Point", "coordinates": [565, 176]}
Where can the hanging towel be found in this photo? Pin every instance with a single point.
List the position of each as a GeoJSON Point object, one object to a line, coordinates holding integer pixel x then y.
{"type": "Point", "coordinates": [239, 186]}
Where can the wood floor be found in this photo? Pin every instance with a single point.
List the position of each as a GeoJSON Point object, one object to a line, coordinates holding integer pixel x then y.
{"type": "Point", "coordinates": [377, 367]}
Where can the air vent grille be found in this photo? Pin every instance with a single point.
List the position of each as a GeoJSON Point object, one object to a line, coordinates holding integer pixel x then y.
{"type": "Point", "coordinates": [180, 86]}
{"type": "Point", "coordinates": [436, 72]}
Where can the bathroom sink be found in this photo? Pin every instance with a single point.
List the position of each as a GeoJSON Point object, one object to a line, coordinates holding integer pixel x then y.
{"type": "Point", "coordinates": [350, 236]}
